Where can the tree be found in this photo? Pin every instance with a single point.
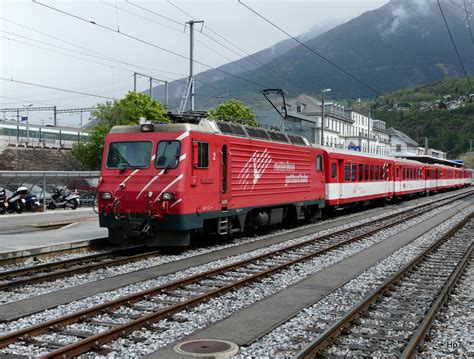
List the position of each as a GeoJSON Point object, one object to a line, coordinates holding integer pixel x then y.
{"type": "Point", "coordinates": [126, 111]}
{"type": "Point", "coordinates": [234, 111]}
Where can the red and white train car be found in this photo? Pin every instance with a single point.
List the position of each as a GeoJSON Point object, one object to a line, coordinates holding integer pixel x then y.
{"type": "Point", "coordinates": [166, 181]}
{"type": "Point", "coordinates": [408, 178]}
{"type": "Point", "coordinates": [353, 177]}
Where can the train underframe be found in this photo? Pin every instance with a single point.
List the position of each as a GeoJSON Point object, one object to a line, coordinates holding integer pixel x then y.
{"type": "Point", "coordinates": [178, 230]}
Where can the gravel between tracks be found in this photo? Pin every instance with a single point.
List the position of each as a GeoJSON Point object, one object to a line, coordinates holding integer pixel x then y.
{"type": "Point", "coordinates": [450, 333]}
{"type": "Point", "coordinates": [33, 290]}
{"type": "Point", "coordinates": [344, 298]}
{"type": "Point", "coordinates": [219, 308]}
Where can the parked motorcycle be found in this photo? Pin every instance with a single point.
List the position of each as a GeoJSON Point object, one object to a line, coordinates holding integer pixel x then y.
{"type": "Point", "coordinates": [32, 203]}
{"type": "Point", "coordinates": [63, 198]}
{"type": "Point", "coordinates": [3, 201]}
{"type": "Point", "coordinates": [17, 201]}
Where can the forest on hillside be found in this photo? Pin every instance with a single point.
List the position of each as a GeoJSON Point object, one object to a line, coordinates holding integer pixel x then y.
{"type": "Point", "coordinates": [443, 112]}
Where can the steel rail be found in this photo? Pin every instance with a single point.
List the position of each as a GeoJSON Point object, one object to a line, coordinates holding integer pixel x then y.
{"type": "Point", "coordinates": [41, 328]}
{"type": "Point", "coordinates": [71, 271]}
{"type": "Point", "coordinates": [312, 349]}
{"type": "Point", "coordinates": [74, 270]}
{"type": "Point", "coordinates": [420, 333]}
{"type": "Point", "coordinates": [107, 336]}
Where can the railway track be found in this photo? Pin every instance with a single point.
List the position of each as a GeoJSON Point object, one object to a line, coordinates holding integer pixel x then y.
{"type": "Point", "coordinates": [89, 329]}
{"type": "Point", "coordinates": [393, 320]}
{"type": "Point", "coordinates": [12, 279]}
{"type": "Point", "coordinates": [9, 280]}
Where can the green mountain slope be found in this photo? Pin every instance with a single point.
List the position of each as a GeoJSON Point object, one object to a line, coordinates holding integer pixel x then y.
{"type": "Point", "coordinates": [442, 111]}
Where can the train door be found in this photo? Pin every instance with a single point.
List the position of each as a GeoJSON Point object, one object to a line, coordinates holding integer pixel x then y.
{"type": "Point", "coordinates": [396, 179]}
{"type": "Point", "coordinates": [203, 175]}
{"type": "Point", "coordinates": [341, 176]}
{"type": "Point", "coordinates": [224, 178]}
{"type": "Point", "coordinates": [334, 186]}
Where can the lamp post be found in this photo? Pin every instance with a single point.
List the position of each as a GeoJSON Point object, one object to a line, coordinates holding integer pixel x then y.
{"type": "Point", "coordinates": [322, 115]}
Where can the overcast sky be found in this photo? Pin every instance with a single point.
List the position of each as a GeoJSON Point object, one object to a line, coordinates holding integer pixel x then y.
{"type": "Point", "coordinates": [27, 54]}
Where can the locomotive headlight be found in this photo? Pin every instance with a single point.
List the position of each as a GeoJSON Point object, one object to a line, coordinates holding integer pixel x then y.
{"type": "Point", "coordinates": [105, 195]}
{"type": "Point", "coordinates": [168, 196]}
{"type": "Point", "coordinates": [148, 127]}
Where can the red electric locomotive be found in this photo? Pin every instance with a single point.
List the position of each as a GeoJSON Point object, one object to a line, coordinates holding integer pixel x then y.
{"type": "Point", "coordinates": [162, 182]}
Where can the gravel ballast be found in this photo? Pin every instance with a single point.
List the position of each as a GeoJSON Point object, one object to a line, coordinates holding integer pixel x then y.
{"type": "Point", "coordinates": [199, 317]}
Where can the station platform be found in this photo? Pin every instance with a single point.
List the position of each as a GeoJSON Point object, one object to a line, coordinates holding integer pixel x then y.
{"type": "Point", "coordinates": [30, 234]}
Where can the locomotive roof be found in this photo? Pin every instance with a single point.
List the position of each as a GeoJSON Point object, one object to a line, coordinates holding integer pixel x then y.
{"type": "Point", "coordinates": [220, 127]}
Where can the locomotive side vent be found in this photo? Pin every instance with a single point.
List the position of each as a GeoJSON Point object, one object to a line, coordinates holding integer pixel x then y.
{"type": "Point", "coordinates": [297, 140]}
{"type": "Point", "coordinates": [232, 129]}
{"type": "Point", "coordinates": [257, 133]}
{"type": "Point", "coordinates": [278, 136]}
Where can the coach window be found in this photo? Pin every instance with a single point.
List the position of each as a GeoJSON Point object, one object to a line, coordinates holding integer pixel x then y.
{"type": "Point", "coordinates": [366, 172]}
{"type": "Point", "coordinates": [167, 155]}
{"type": "Point", "coordinates": [354, 172]}
{"type": "Point", "coordinates": [202, 155]}
{"type": "Point", "coordinates": [333, 170]}
{"type": "Point", "coordinates": [377, 170]}
{"type": "Point", "coordinates": [347, 172]}
{"type": "Point", "coordinates": [319, 163]}
{"type": "Point", "coordinates": [372, 172]}
{"type": "Point", "coordinates": [361, 173]}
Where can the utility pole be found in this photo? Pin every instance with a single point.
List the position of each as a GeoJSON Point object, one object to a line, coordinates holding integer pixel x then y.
{"type": "Point", "coordinates": [191, 59]}
{"type": "Point", "coordinates": [322, 115]}
{"type": "Point", "coordinates": [368, 134]}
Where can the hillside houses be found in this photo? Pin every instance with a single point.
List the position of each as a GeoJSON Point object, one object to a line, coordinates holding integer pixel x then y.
{"type": "Point", "coordinates": [345, 128]}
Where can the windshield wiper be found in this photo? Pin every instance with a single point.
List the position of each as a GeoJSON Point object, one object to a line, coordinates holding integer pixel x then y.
{"type": "Point", "coordinates": [168, 166]}
{"type": "Point", "coordinates": [124, 166]}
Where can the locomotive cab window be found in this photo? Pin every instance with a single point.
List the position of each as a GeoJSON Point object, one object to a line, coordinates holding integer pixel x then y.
{"type": "Point", "coordinates": [124, 155]}
{"type": "Point", "coordinates": [201, 159]}
{"type": "Point", "coordinates": [167, 155]}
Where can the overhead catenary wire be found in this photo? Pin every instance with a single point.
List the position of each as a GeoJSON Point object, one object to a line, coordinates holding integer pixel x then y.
{"type": "Point", "coordinates": [161, 24]}
{"type": "Point", "coordinates": [312, 50]}
{"type": "Point", "coordinates": [147, 43]}
{"type": "Point", "coordinates": [248, 55]}
{"type": "Point", "coordinates": [453, 42]}
{"type": "Point", "coordinates": [55, 88]}
{"type": "Point", "coordinates": [99, 54]}
{"type": "Point", "coordinates": [181, 31]}
{"type": "Point", "coordinates": [59, 52]}
{"type": "Point", "coordinates": [468, 15]}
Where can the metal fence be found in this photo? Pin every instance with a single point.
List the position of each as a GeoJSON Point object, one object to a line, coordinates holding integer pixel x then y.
{"type": "Point", "coordinates": [44, 183]}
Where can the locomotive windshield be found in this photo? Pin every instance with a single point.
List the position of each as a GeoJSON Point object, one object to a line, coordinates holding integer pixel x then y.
{"type": "Point", "coordinates": [124, 155]}
{"type": "Point", "coordinates": [167, 155]}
